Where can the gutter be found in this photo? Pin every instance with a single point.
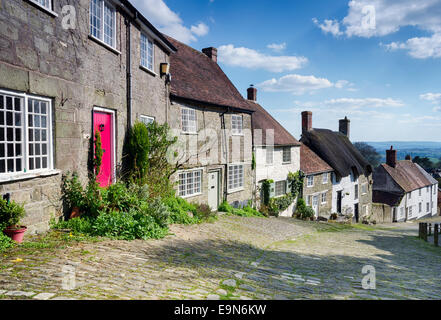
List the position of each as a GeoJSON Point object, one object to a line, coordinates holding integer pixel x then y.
{"type": "Point", "coordinates": [127, 22]}
{"type": "Point", "coordinates": [222, 115]}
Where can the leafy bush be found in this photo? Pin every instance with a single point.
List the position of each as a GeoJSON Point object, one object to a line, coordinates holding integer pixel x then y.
{"type": "Point", "coordinates": [5, 242]}
{"type": "Point", "coordinates": [304, 212]}
{"type": "Point", "coordinates": [247, 211]}
{"type": "Point", "coordinates": [147, 161]}
{"type": "Point", "coordinates": [11, 213]}
{"type": "Point", "coordinates": [280, 204]}
{"type": "Point", "coordinates": [77, 225]}
{"type": "Point", "coordinates": [181, 212]}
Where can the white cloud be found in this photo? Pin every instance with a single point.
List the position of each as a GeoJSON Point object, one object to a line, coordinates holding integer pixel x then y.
{"type": "Point", "coordinates": [252, 59]}
{"type": "Point", "coordinates": [366, 102]}
{"type": "Point", "coordinates": [329, 26]}
{"type": "Point", "coordinates": [431, 96]}
{"type": "Point", "coordinates": [168, 21]}
{"type": "Point", "coordinates": [277, 47]}
{"type": "Point", "coordinates": [299, 84]}
{"type": "Point", "coordinates": [377, 18]}
{"type": "Point", "coordinates": [200, 30]}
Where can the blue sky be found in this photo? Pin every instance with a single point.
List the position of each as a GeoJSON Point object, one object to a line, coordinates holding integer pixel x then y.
{"type": "Point", "coordinates": [376, 61]}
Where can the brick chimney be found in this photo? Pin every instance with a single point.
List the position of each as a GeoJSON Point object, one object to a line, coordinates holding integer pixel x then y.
{"type": "Point", "coordinates": [211, 53]}
{"type": "Point", "coordinates": [252, 93]}
{"type": "Point", "coordinates": [345, 126]}
{"type": "Point", "coordinates": [306, 121]}
{"type": "Point", "coordinates": [391, 157]}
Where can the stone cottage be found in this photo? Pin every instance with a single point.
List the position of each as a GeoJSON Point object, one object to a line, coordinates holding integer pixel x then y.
{"type": "Point", "coordinates": [352, 176]}
{"type": "Point", "coordinates": [213, 124]}
{"type": "Point", "coordinates": [276, 151]}
{"type": "Point", "coordinates": [403, 190]}
{"type": "Point", "coordinates": [317, 185]}
{"type": "Point", "coordinates": [67, 69]}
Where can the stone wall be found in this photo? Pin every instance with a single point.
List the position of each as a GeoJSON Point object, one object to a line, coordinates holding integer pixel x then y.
{"type": "Point", "coordinates": [324, 209]}
{"type": "Point", "coordinates": [207, 149]}
{"type": "Point", "coordinates": [39, 57]}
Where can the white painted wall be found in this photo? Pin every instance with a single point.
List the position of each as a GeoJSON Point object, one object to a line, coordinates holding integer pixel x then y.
{"type": "Point", "coordinates": [277, 171]}
{"type": "Point", "coordinates": [428, 195]}
{"type": "Point", "coordinates": [346, 185]}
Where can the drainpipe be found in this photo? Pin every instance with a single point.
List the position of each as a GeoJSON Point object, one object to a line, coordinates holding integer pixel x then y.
{"type": "Point", "coordinates": [129, 71]}
{"type": "Point", "coordinates": [226, 152]}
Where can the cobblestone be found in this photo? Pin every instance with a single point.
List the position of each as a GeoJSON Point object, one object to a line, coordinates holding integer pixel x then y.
{"type": "Point", "coordinates": [254, 258]}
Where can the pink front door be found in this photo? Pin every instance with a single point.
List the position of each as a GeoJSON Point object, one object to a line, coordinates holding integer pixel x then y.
{"type": "Point", "coordinates": [103, 122]}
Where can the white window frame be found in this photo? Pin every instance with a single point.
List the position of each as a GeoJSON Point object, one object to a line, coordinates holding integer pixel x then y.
{"type": "Point", "coordinates": [308, 200]}
{"type": "Point", "coordinates": [410, 195]}
{"type": "Point", "coordinates": [286, 151]}
{"type": "Point", "coordinates": [310, 181]}
{"type": "Point", "coordinates": [146, 119]}
{"type": "Point", "coordinates": [324, 197]}
{"type": "Point", "coordinates": [187, 129]}
{"type": "Point", "coordinates": [325, 178]}
{"type": "Point", "coordinates": [236, 125]}
{"type": "Point", "coordinates": [284, 182]}
{"type": "Point", "coordinates": [186, 172]}
{"type": "Point", "coordinates": [25, 140]}
{"type": "Point", "coordinates": [269, 155]}
{"type": "Point", "coordinates": [410, 211]}
{"type": "Point", "coordinates": [49, 9]}
{"type": "Point", "coordinates": [232, 181]}
{"type": "Point", "coordinates": [145, 59]}
{"type": "Point", "coordinates": [356, 192]}
{"type": "Point", "coordinates": [101, 37]}
{"type": "Point", "coordinates": [420, 207]}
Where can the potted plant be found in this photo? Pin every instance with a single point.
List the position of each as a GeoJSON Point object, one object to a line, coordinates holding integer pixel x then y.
{"type": "Point", "coordinates": [10, 216]}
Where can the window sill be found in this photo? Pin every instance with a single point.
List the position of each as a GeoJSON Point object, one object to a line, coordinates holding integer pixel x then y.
{"type": "Point", "coordinates": [148, 70]}
{"type": "Point", "coordinates": [235, 190]}
{"type": "Point", "coordinates": [27, 176]}
{"type": "Point", "coordinates": [104, 44]}
{"type": "Point", "coordinates": [286, 163]}
{"type": "Point", "coordinates": [191, 196]}
{"type": "Point", "coordinates": [39, 6]}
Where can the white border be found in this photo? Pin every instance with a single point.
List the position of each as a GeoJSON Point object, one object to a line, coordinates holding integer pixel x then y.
{"type": "Point", "coordinates": [140, 53]}
{"type": "Point", "coordinates": [202, 180]}
{"type": "Point", "coordinates": [30, 173]}
{"type": "Point", "coordinates": [112, 112]}
{"type": "Point", "coordinates": [196, 120]}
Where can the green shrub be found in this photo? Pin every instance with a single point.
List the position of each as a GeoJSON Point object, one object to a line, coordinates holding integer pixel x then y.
{"type": "Point", "coordinates": [10, 213]}
{"type": "Point", "coordinates": [77, 225]}
{"type": "Point", "coordinates": [225, 207]}
{"type": "Point", "coordinates": [179, 211]}
{"type": "Point", "coordinates": [303, 211]}
{"type": "Point", "coordinates": [128, 226]}
{"type": "Point", "coordinates": [5, 242]}
{"type": "Point", "coordinates": [204, 212]}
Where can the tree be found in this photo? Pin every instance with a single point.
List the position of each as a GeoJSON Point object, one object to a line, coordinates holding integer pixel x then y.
{"type": "Point", "coordinates": [369, 152]}
{"type": "Point", "coordinates": [425, 163]}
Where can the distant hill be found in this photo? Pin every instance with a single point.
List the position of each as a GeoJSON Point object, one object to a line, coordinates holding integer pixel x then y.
{"type": "Point", "coordinates": [428, 149]}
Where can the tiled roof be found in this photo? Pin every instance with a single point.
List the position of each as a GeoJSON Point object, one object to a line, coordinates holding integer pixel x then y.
{"type": "Point", "coordinates": [264, 121]}
{"type": "Point", "coordinates": [408, 175]}
{"type": "Point", "coordinates": [196, 77]}
{"type": "Point", "coordinates": [337, 150]}
{"type": "Point", "coordinates": [311, 163]}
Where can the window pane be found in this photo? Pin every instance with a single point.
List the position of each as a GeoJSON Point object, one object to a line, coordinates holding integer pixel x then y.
{"type": "Point", "coordinates": [18, 165]}
{"type": "Point", "coordinates": [31, 164]}
{"type": "Point", "coordinates": [95, 18]}
{"type": "Point", "coordinates": [109, 21]}
{"type": "Point", "coordinates": [2, 166]}
{"type": "Point", "coordinates": [9, 103]}
{"type": "Point", "coordinates": [2, 150]}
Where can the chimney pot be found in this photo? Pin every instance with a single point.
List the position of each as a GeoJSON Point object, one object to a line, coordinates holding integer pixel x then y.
{"type": "Point", "coordinates": [211, 52]}
{"type": "Point", "coordinates": [391, 157]}
{"type": "Point", "coordinates": [306, 121]}
{"type": "Point", "coordinates": [345, 126]}
{"type": "Point", "coordinates": [252, 93]}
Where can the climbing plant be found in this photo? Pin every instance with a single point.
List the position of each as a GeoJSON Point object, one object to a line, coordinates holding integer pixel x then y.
{"type": "Point", "coordinates": [98, 158]}
{"type": "Point", "coordinates": [296, 181]}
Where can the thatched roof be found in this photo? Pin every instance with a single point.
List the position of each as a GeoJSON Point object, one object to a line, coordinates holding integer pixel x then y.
{"type": "Point", "coordinates": [337, 150]}
{"type": "Point", "coordinates": [390, 198]}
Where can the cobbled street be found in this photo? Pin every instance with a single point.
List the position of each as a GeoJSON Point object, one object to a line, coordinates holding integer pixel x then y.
{"type": "Point", "coordinates": [233, 258]}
